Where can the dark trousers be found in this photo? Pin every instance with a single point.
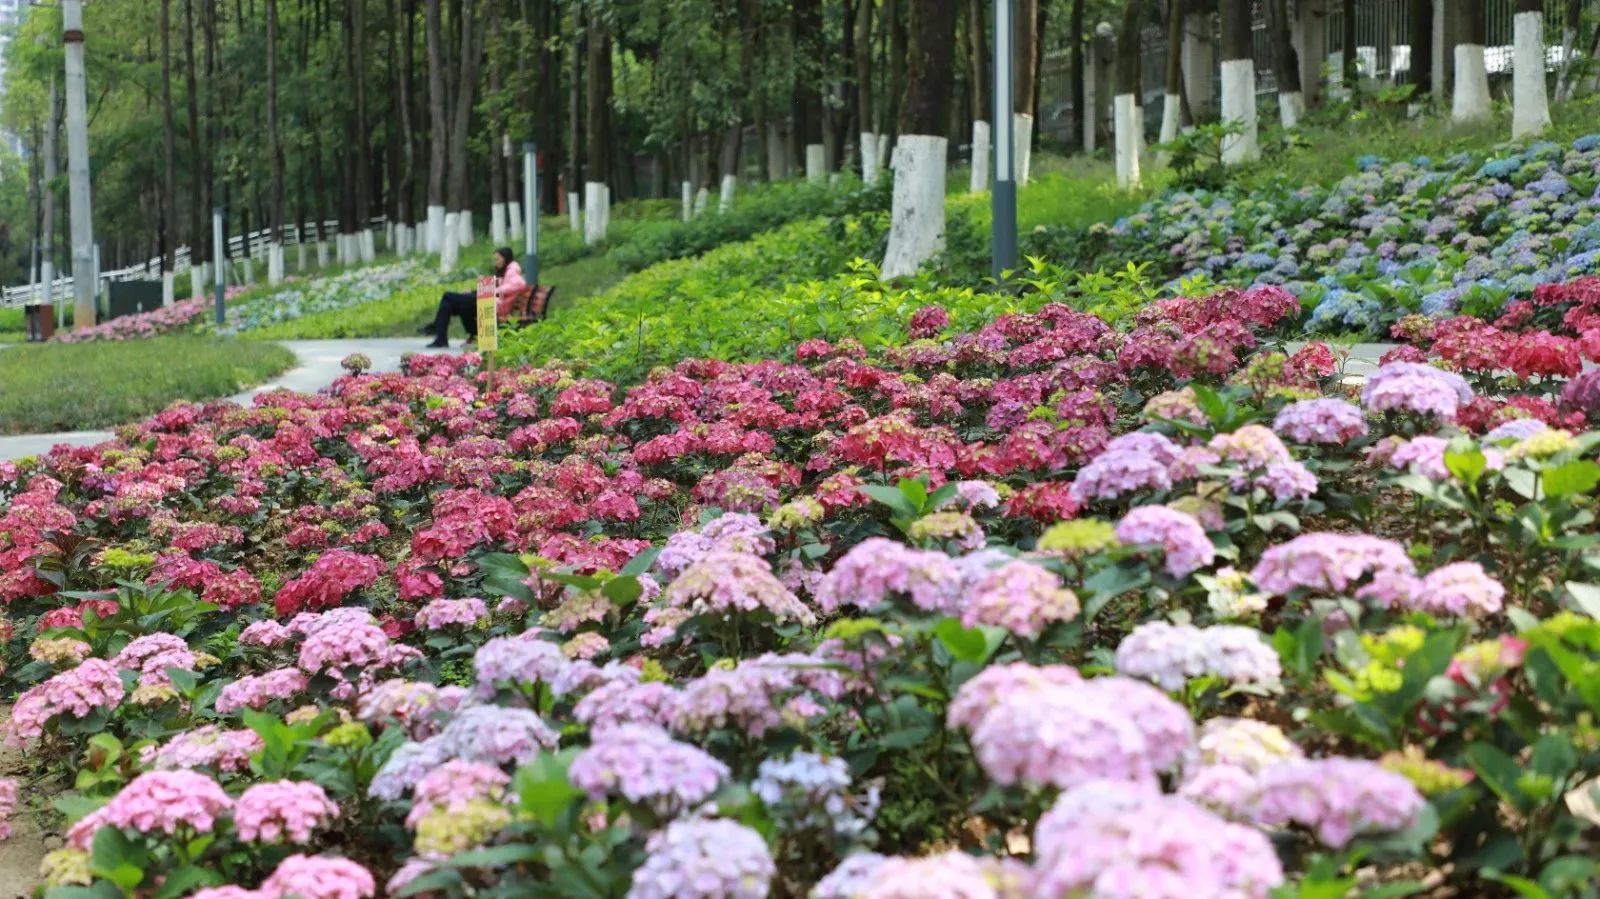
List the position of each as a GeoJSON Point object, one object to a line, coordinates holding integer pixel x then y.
{"type": "Point", "coordinates": [463, 304]}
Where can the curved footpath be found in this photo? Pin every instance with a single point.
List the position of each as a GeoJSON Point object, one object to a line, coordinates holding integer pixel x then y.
{"type": "Point", "coordinates": [316, 366]}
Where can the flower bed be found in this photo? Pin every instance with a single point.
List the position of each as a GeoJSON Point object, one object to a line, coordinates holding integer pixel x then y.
{"type": "Point", "coordinates": [345, 290]}
{"type": "Point", "coordinates": [179, 316]}
{"type": "Point", "coordinates": [1462, 234]}
{"type": "Point", "coordinates": [1041, 609]}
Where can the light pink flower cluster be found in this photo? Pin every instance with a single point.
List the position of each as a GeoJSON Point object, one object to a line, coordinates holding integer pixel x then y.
{"type": "Point", "coordinates": [1325, 421]}
{"type": "Point", "coordinates": [724, 583]}
{"type": "Point", "coordinates": [734, 531]}
{"type": "Point", "coordinates": [414, 704]}
{"type": "Point", "coordinates": [157, 802]}
{"type": "Point", "coordinates": [454, 784]}
{"type": "Point", "coordinates": [1260, 453]}
{"type": "Point", "coordinates": [646, 766]}
{"type": "Point", "coordinates": [877, 570]}
{"type": "Point", "coordinates": [1171, 654]}
{"type": "Point", "coordinates": [947, 875]}
{"type": "Point", "coordinates": [1021, 597]}
{"type": "Point", "coordinates": [337, 642]}
{"type": "Point", "coordinates": [152, 655]}
{"type": "Point", "coordinates": [9, 792]}
{"type": "Point", "coordinates": [524, 659]}
{"type": "Point", "coordinates": [1460, 589]}
{"type": "Point", "coordinates": [255, 691]}
{"type": "Point", "coordinates": [1105, 729]}
{"type": "Point", "coordinates": [442, 613]}
{"type": "Point", "coordinates": [1328, 563]}
{"type": "Point", "coordinates": [318, 877]}
{"type": "Point", "coordinates": [93, 684]}
{"type": "Point", "coordinates": [1139, 461]}
{"type": "Point", "coordinates": [265, 633]}
{"type": "Point", "coordinates": [1179, 534]}
{"type": "Point", "coordinates": [208, 746]}
{"type": "Point", "coordinates": [283, 811]}
{"type": "Point", "coordinates": [1115, 840]}
{"type": "Point", "coordinates": [996, 684]}
{"type": "Point", "coordinates": [1338, 798]}
{"type": "Point", "coordinates": [1415, 388]}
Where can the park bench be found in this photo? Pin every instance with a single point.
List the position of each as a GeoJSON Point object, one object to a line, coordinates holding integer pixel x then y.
{"type": "Point", "coordinates": [529, 304]}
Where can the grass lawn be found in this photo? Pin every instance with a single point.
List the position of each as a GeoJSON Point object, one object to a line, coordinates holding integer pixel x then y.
{"type": "Point", "coordinates": [69, 387]}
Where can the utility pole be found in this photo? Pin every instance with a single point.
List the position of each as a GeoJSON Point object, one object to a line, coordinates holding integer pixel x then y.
{"type": "Point", "coordinates": [530, 212]}
{"type": "Point", "coordinates": [47, 264]}
{"type": "Point", "coordinates": [84, 277]}
{"type": "Point", "coordinates": [1004, 195]}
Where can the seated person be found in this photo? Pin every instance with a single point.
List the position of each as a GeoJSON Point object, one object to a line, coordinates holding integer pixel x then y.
{"type": "Point", "coordinates": [509, 283]}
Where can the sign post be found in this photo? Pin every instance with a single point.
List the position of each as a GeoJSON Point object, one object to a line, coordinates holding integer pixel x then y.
{"type": "Point", "coordinates": [488, 325]}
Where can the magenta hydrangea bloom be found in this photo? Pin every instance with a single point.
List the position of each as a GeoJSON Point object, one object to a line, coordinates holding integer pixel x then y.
{"type": "Point", "coordinates": [284, 811]}
{"type": "Point", "coordinates": [442, 613]}
{"type": "Point", "coordinates": [157, 802]}
{"type": "Point", "coordinates": [1325, 421]}
{"type": "Point", "coordinates": [1338, 798]}
{"type": "Point", "coordinates": [1128, 841]}
{"type": "Point", "coordinates": [1021, 597]}
{"type": "Point", "coordinates": [704, 859]}
{"type": "Point", "coordinates": [996, 684]}
{"type": "Point", "coordinates": [1328, 563]}
{"type": "Point", "coordinates": [1170, 654]}
{"type": "Point", "coordinates": [1180, 536]}
{"type": "Point", "coordinates": [319, 877]}
{"type": "Point", "coordinates": [877, 570]}
{"type": "Point", "coordinates": [646, 766]}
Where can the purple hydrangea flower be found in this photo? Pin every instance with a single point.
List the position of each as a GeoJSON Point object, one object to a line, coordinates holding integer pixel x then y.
{"type": "Point", "coordinates": [647, 767]}
{"type": "Point", "coordinates": [704, 859]}
{"type": "Point", "coordinates": [1179, 535]}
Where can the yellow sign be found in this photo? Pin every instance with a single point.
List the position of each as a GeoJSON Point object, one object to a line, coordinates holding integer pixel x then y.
{"type": "Point", "coordinates": [488, 326]}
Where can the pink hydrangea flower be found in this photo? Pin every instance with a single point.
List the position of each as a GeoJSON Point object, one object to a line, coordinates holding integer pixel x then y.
{"type": "Point", "coordinates": [255, 691]}
{"type": "Point", "coordinates": [1184, 542]}
{"type": "Point", "coordinates": [93, 684]}
{"type": "Point", "coordinates": [1338, 798]}
{"type": "Point", "coordinates": [454, 784]}
{"type": "Point", "coordinates": [9, 791]}
{"type": "Point", "coordinates": [646, 766]}
{"type": "Point", "coordinates": [1325, 421]}
{"type": "Point", "coordinates": [996, 684]}
{"type": "Point", "coordinates": [284, 811]}
{"type": "Point", "coordinates": [1021, 597]}
{"type": "Point", "coordinates": [1327, 563]}
{"type": "Point", "coordinates": [442, 613]}
{"type": "Point", "coordinates": [157, 802]}
{"type": "Point", "coordinates": [319, 877]}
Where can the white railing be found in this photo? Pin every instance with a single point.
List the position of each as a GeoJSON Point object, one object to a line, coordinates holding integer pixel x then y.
{"type": "Point", "coordinates": [252, 246]}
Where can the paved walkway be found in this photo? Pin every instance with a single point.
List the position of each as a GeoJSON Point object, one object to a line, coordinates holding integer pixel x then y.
{"type": "Point", "coordinates": [316, 367]}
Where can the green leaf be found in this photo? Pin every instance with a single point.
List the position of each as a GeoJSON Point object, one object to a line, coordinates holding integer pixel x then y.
{"type": "Point", "coordinates": [1467, 465]}
{"type": "Point", "coordinates": [183, 680]}
{"type": "Point", "coordinates": [915, 491]}
{"type": "Point", "coordinates": [183, 881]}
{"type": "Point", "coordinates": [622, 590]}
{"type": "Point", "coordinates": [1570, 478]}
{"type": "Point", "coordinates": [116, 858]}
{"type": "Point", "coordinates": [965, 644]}
{"type": "Point", "coordinates": [1498, 771]}
{"type": "Point", "coordinates": [1586, 597]}
{"type": "Point", "coordinates": [543, 789]}
{"type": "Point", "coordinates": [641, 563]}
{"type": "Point", "coordinates": [495, 857]}
{"type": "Point", "coordinates": [504, 573]}
{"type": "Point", "coordinates": [1522, 885]}
{"type": "Point", "coordinates": [891, 497]}
{"type": "Point", "coordinates": [1554, 756]}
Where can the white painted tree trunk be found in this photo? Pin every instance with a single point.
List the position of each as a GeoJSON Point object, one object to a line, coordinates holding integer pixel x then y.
{"type": "Point", "coordinates": [816, 162]}
{"type": "Point", "coordinates": [1471, 102]}
{"type": "Point", "coordinates": [197, 279]}
{"type": "Point", "coordinates": [980, 157]}
{"type": "Point", "coordinates": [686, 190]}
{"type": "Point", "coordinates": [1023, 146]}
{"type": "Point", "coordinates": [436, 216]}
{"type": "Point", "coordinates": [1138, 129]}
{"type": "Point", "coordinates": [275, 263]}
{"type": "Point", "coordinates": [322, 254]}
{"type": "Point", "coordinates": [883, 151]}
{"type": "Point", "coordinates": [368, 245]}
{"type": "Point", "coordinates": [574, 211]}
{"type": "Point", "coordinates": [1530, 107]}
{"type": "Point", "coordinates": [1171, 117]}
{"type": "Point", "coordinates": [1239, 105]}
{"type": "Point", "coordinates": [916, 217]}
{"type": "Point", "coordinates": [514, 219]}
{"type": "Point", "coordinates": [730, 184]}
{"type": "Point", "coordinates": [702, 198]}
{"type": "Point", "coordinates": [388, 235]}
{"type": "Point", "coordinates": [1291, 108]}
{"type": "Point", "coordinates": [497, 223]}
{"type": "Point", "coordinates": [605, 208]}
{"type": "Point", "coordinates": [169, 288]}
{"type": "Point", "coordinates": [464, 222]}
{"type": "Point", "coordinates": [449, 244]}
{"type": "Point", "coordinates": [249, 270]}
{"type": "Point", "coordinates": [594, 220]}
{"type": "Point", "coordinates": [300, 258]}
{"type": "Point", "coordinates": [869, 157]}
{"type": "Point", "coordinates": [1123, 126]}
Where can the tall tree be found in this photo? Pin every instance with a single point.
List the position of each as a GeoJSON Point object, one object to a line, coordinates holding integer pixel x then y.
{"type": "Point", "coordinates": [916, 218]}
{"type": "Point", "coordinates": [1125, 103]}
{"type": "Point", "coordinates": [1024, 72]}
{"type": "Point", "coordinates": [1238, 83]}
{"type": "Point", "coordinates": [597, 115]}
{"type": "Point", "coordinates": [1349, 65]}
{"type": "Point", "coordinates": [1172, 99]}
{"type": "Point", "coordinates": [169, 185]}
{"type": "Point", "coordinates": [1419, 33]}
{"type": "Point", "coordinates": [1471, 100]}
{"type": "Point", "coordinates": [438, 150]}
{"type": "Point", "coordinates": [982, 121]}
{"type": "Point", "coordinates": [1286, 65]}
{"type": "Point", "coordinates": [1076, 35]}
{"type": "Point", "coordinates": [275, 148]}
{"type": "Point", "coordinates": [1530, 105]}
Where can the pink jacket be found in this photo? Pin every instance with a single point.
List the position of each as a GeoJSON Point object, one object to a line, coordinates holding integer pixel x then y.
{"type": "Point", "coordinates": [510, 287]}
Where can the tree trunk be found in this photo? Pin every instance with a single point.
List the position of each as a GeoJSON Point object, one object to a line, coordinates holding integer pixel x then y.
{"type": "Point", "coordinates": [1024, 73]}
{"type": "Point", "coordinates": [597, 113]}
{"type": "Point", "coordinates": [438, 155]}
{"type": "Point", "coordinates": [1286, 65]}
{"type": "Point", "coordinates": [274, 147]}
{"type": "Point", "coordinates": [1349, 71]}
{"type": "Point", "coordinates": [895, 10]}
{"type": "Point", "coordinates": [1238, 83]}
{"type": "Point", "coordinates": [169, 185]}
{"type": "Point", "coordinates": [405, 189]}
{"type": "Point", "coordinates": [363, 156]}
{"type": "Point", "coordinates": [916, 218]}
{"type": "Point", "coordinates": [1080, 115]}
{"type": "Point", "coordinates": [1172, 99]}
{"type": "Point", "coordinates": [199, 183]}
{"type": "Point", "coordinates": [473, 35]}
{"type": "Point", "coordinates": [1568, 76]}
{"type": "Point", "coordinates": [1125, 103]}
{"type": "Point", "coordinates": [868, 141]}
{"type": "Point", "coordinates": [1530, 105]}
{"type": "Point", "coordinates": [1419, 33]}
{"type": "Point", "coordinates": [981, 100]}
{"type": "Point", "coordinates": [1471, 100]}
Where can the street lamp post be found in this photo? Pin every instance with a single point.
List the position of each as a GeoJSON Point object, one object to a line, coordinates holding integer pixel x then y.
{"type": "Point", "coordinates": [1004, 195]}
{"type": "Point", "coordinates": [217, 255]}
{"type": "Point", "coordinates": [530, 212]}
{"type": "Point", "coordinates": [84, 277]}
